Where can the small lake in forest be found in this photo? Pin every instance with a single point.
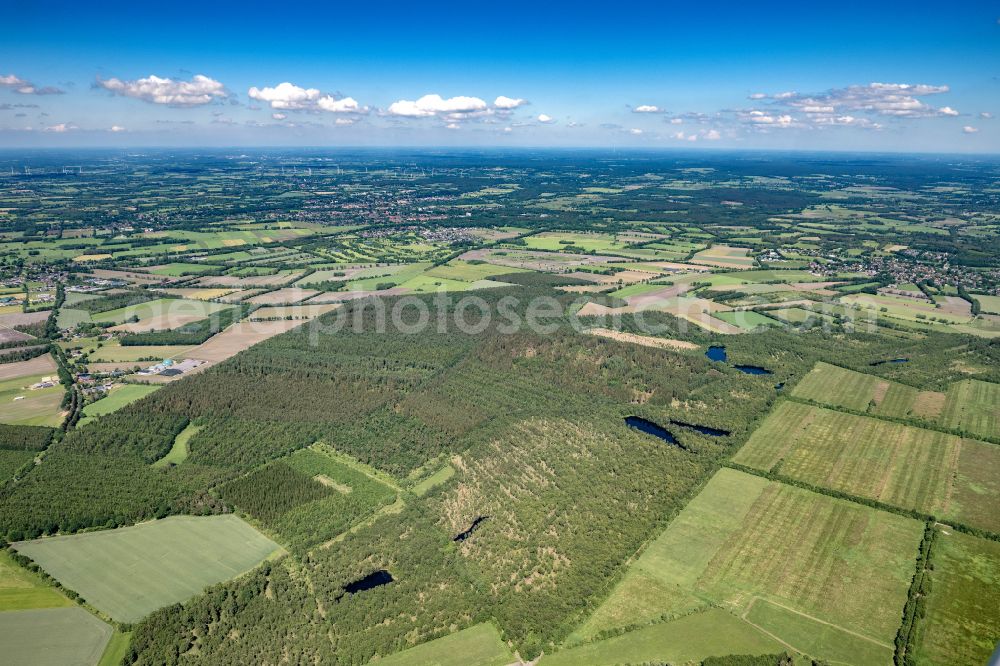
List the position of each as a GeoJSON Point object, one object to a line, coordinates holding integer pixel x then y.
{"type": "Point", "coordinates": [465, 535]}
{"type": "Point", "coordinates": [372, 580]}
{"type": "Point", "coordinates": [718, 354]}
{"type": "Point", "coordinates": [890, 360]}
{"type": "Point", "coordinates": [704, 430]}
{"type": "Point", "coordinates": [653, 429]}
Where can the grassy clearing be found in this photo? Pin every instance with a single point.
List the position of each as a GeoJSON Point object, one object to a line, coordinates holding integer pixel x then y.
{"type": "Point", "coordinates": [434, 480]}
{"type": "Point", "coordinates": [160, 308]}
{"type": "Point", "coordinates": [847, 568]}
{"type": "Point", "coordinates": [963, 616]}
{"type": "Point", "coordinates": [178, 453]}
{"type": "Point", "coordinates": [52, 637]}
{"type": "Point", "coordinates": [120, 396]}
{"type": "Point", "coordinates": [746, 319]}
{"type": "Point", "coordinates": [111, 352]}
{"type": "Point", "coordinates": [479, 644]}
{"type": "Point", "coordinates": [21, 589]}
{"type": "Point", "coordinates": [709, 633]}
{"type": "Point", "coordinates": [468, 272]}
{"type": "Point", "coordinates": [308, 497]}
{"type": "Point", "coordinates": [913, 468]}
{"type": "Point", "coordinates": [131, 571]}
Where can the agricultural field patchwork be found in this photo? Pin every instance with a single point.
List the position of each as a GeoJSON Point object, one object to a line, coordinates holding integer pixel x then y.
{"type": "Point", "coordinates": [970, 406]}
{"type": "Point", "coordinates": [904, 466]}
{"type": "Point", "coordinates": [728, 547]}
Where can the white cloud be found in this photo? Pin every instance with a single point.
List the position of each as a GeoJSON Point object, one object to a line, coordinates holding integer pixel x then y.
{"type": "Point", "coordinates": [60, 128]}
{"type": "Point", "coordinates": [635, 131]}
{"type": "Point", "coordinates": [507, 103]}
{"type": "Point", "coordinates": [285, 96]}
{"type": "Point", "coordinates": [12, 81]}
{"type": "Point", "coordinates": [24, 87]}
{"type": "Point", "coordinates": [507, 129]}
{"type": "Point", "coordinates": [986, 115]}
{"type": "Point", "coordinates": [676, 121]}
{"type": "Point", "coordinates": [432, 105]}
{"type": "Point", "coordinates": [279, 116]}
{"type": "Point", "coordinates": [453, 126]}
{"type": "Point", "coordinates": [342, 105]}
{"type": "Point", "coordinates": [947, 111]}
{"type": "Point", "coordinates": [756, 117]}
{"type": "Point", "coordinates": [290, 97]}
{"type": "Point", "coordinates": [757, 96]}
{"type": "Point", "coordinates": [155, 90]}
{"type": "Point", "coordinates": [969, 129]}
{"type": "Point", "coordinates": [646, 108]}
{"type": "Point", "coordinates": [712, 135]}
{"type": "Point", "coordinates": [344, 121]}
{"type": "Point", "coordinates": [117, 128]}
{"type": "Point", "coordinates": [543, 118]}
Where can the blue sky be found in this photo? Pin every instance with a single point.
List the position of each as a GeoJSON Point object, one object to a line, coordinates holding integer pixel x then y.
{"type": "Point", "coordinates": [851, 76]}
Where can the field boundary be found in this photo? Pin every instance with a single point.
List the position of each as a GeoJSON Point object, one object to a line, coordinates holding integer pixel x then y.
{"type": "Point", "coordinates": [913, 423]}
{"type": "Point", "coordinates": [872, 503]}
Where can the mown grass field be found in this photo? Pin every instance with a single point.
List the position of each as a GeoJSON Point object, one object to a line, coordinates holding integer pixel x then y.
{"type": "Point", "coordinates": [973, 406]}
{"type": "Point", "coordinates": [746, 319]}
{"type": "Point", "coordinates": [20, 405]}
{"type": "Point", "coordinates": [839, 387]}
{"type": "Point", "coordinates": [832, 565]}
{"type": "Point", "coordinates": [52, 637]}
{"type": "Point", "coordinates": [962, 624]}
{"type": "Point", "coordinates": [479, 644]}
{"type": "Point", "coordinates": [469, 272]}
{"type": "Point", "coordinates": [131, 571]}
{"type": "Point", "coordinates": [908, 467]}
{"type": "Point", "coordinates": [160, 307]}
{"type": "Point", "coordinates": [690, 639]}
{"type": "Point", "coordinates": [21, 589]}
{"type": "Point", "coordinates": [120, 396]}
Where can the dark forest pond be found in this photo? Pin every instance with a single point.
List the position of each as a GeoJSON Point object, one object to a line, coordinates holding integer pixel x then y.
{"type": "Point", "coordinates": [372, 580]}
{"type": "Point", "coordinates": [653, 429]}
{"type": "Point", "coordinates": [778, 387]}
{"type": "Point", "coordinates": [705, 430]}
{"type": "Point", "coordinates": [465, 535]}
{"type": "Point", "coordinates": [891, 360]}
{"type": "Point", "coordinates": [717, 354]}
{"type": "Point", "coordinates": [752, 369]}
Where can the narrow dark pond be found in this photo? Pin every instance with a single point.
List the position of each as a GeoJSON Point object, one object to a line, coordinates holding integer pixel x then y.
{"type": "Point", "coordinates": [778, 387]}
{"type": "Point", "coordinates": [653, 429]}
{"type": "Point", "coordinates": [371, 581]}
{"type": "Point", "coordinates": [705, 430]}
{"type": "Point", "coordinates": [890, 360]}
{"type": "Point", "coordinates": [752, 369]}
{"type": "Point", "coordinates": [717, 354]}
{"type": "Point", "coordinates": [465, 535]}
